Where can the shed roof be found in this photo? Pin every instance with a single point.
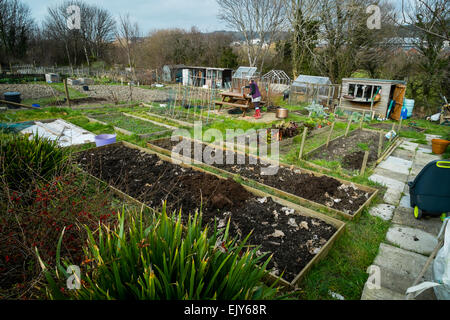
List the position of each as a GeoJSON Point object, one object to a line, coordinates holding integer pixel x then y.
{"type": "Point", "coordinates": [311, 79]}
{"type": "Point", "coordinates": [245, 72]}
{"type": "Point", "coordinates": [373, 80]}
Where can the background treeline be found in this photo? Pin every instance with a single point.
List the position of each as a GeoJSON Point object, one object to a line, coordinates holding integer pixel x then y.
{"type": "Point", "coordinates": [316, 37]}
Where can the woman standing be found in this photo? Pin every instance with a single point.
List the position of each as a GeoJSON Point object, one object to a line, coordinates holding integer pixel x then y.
{"type": "Point", "coordinates": [256, 97]}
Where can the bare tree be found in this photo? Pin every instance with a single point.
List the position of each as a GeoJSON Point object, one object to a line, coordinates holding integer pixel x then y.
{"type": "Point", "coordinates": [127, 35]}
{"type": "Point", "coordinates": [16, 27]}
{"type": "Point", "coordinates": [304, 25]}
{"type": "Point", "coordinates": [430, 16]}
{"type": "Point", "coordinates": [259, 21]}
{"type": "Point", "coordinates": [96, 30]}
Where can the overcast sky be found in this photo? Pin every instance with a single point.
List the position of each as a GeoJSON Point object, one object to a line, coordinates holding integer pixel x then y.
{"type": "Point", "coordinates": [151, 14]}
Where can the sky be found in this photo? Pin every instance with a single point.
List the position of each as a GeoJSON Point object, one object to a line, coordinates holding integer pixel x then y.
{"type": "Point", "coordinates": [151, 14]}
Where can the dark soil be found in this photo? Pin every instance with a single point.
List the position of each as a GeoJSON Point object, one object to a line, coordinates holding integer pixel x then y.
{"type": "Point", "coordinates": [323, 190]}
{"type": "Point", "coordinates": [354, 160]}
{"type": "Point", "coordinates": [388, 127]}
{"type": "Point", "coordinates": [349, 151]}
{"type": "Point", "coordinates": [294, 240]}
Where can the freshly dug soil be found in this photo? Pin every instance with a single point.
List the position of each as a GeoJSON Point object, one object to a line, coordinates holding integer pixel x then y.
{"type": "Point", "coordinates": [294, 240]}
{"type": "Point", "coordinates": [347, 151]}
{"type": "Point", "coordinates": [354, 160]}
{"type": "Point", "coordinates": [323, 190]}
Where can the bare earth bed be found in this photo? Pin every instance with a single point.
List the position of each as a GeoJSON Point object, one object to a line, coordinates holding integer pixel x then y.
{"type": "Point", "coordinates": [323, 190]}
{"type": "Point", "coordinates": [348, 152]}
{"type": "Point", "coordinates": [293, 239]}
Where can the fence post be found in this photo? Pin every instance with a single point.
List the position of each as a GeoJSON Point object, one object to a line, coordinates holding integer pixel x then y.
{"type": "Point", "coordinates": [380, 144]}
{"type": "Point", "coordinates": [330, 134]}
{"type": "Point", "coordinates": [348, 126]}
{"type": "Point", "coordinates": [305, 131]}
{"type": "Point", "coordinates": [364, 164]}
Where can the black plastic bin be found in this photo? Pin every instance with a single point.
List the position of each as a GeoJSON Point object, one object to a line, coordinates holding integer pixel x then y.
{"type": "Point", "coordinates": [12, 97]}
{"type": "Point", "coordinates": [430, 191]}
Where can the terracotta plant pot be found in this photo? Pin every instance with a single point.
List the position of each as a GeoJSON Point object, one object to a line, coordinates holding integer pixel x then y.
{"type": "Point", "coordinates": [439, 145]}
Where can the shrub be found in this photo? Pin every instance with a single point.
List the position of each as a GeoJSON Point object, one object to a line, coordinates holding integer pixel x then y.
{"type": "Point", "coordinates": [24, 160]}
{"type": "Point", "coordinates": [36, 219]}
{"type": "Point", "coordinates": [164, 261]}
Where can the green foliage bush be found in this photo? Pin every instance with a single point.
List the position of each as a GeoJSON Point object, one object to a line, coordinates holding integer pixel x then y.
{"type": "Point", "coordinates": [162, 260]}
{"type": "Point", "coordinates": [23, 160]}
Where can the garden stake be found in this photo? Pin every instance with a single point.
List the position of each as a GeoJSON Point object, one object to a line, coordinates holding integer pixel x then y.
{"type": "Point", "coordinates": [348, 127]}
{"type": "Point", "coordinates": [330, 134]}
{"type": "Point", "coordinates": [380, 144]}
{"type": "Point", "coordinates": [361, 121]}
{"type": "Point", "coordinates": [305, 131]}
{"type": "Point", "coordinates": [400, 125]}
{"type": "Point", "coordinates": [67, 92]}
{"type": "Point", "coordinates": [364, 164]}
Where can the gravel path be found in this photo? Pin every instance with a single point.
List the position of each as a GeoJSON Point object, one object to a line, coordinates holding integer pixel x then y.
{"type": "Point", "coordinates": [38, 91]}
{"type": "Point", "coordinates": [29, 91]}
{"type": "Point", "coordinates": [123, 93]}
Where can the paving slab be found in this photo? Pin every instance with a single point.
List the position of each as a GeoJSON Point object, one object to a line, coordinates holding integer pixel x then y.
{"type": "Point", "coordinates": [411, 239]}
{"type": "Point", "coordinates": [424, 158]}
{"type": "Point", "coordinates": [430, 137]}
{"type": "Point", "coordinates": [405, 217]}
{"type": "Point", "coordinates": [391, 174]}
{"type": "Point", "coordinates": [399, 269]}
{"type": "Point", "coordinates": [405, 201]}
{"type": "Point", "coordinates": [383, 211]}
{"type": "Point", "coordinates": [404, 154]}
{"type": "Point", "coordinates": [388, 182]}
{"type": "Point", "coordinates": [426, 150]}
{"type": "Point", "coordinates": [392, 197]}
{"type": "Point", "coordinates": [395, 164]}
{"type": "Point", "coordinates": [410, 146]}
{"type": "Point", "coordinates": [381, 294]}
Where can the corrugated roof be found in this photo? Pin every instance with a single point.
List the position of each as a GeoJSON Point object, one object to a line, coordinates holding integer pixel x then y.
{"type": "Point", "coordinates": [373, 80]}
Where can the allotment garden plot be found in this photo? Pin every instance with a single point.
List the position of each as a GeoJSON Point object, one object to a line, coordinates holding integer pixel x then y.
{"type": "Point", "coordinates": [348, 152]}
{"type": "Point", "coordinates": [130, 124]}
{"type": "Point", "coordinates": [294, 238]}
{"type": "Point", "coordinates": [299, 185]}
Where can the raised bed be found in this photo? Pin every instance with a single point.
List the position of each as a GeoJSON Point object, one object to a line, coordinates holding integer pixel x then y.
{"type": "Point", "coordinates": [388, 127]}
{"type": "Point", "coordinates": [296, 184]}
{"type": "Point", "coordinates": [131, 125]}
{"type": "Point", "coordinates": [346, 150]}
{"type": "Point", "coordinates": [297, 237]}
{"type": "Point", "coordinates": [285, 142]}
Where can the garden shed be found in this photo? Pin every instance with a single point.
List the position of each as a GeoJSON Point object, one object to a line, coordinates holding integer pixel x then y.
{"type": "Point", "coordinates": [173, 73]}
{"type": "Point", "coordinates": [208, 77]}
{"type": "Point", "coordinates": [378, 96]}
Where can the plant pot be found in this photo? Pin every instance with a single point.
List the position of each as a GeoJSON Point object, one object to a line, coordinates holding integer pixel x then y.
{"type": "Point", "coordinates": [439, 145]}
{"type": "Point", "coordinates": [282, 113]}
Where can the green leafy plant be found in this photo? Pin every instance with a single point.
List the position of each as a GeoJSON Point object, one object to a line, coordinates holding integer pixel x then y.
{"type": "Point", "coordinates": [363, 146]}
{"type": "Point", "coordinates": [163, 260]}
{"type": "Point", "coordinates": [23, 160]}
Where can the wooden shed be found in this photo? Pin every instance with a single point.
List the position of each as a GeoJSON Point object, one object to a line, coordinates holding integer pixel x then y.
{"type": "Point", "coordinates": [376, 96]}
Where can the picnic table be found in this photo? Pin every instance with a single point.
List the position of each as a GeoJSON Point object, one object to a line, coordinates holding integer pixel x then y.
{"type": "Point", "coordinates": [236, 100]}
